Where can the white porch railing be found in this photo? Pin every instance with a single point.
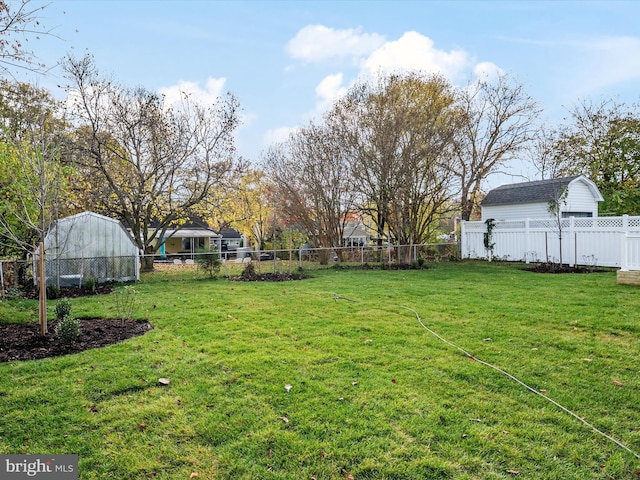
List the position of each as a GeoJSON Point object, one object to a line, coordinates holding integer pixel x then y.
{"type": "Point", "coordinates": [630, 250]}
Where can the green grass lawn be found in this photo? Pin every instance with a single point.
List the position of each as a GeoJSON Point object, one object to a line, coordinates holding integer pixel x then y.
{"type": "Point", "coordinates": [372, 394]}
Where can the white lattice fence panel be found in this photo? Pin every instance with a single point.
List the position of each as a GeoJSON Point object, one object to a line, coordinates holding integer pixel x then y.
{"type": "Point", "coordinates": [585, 241]}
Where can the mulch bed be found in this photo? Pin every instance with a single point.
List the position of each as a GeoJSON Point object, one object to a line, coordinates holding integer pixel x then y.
{"type": "Point", "coordinates": [555, 268]}
{"type": "Point", "coordinates": [270, 277]}
{"type": "Point", "coordinates": [24, 342]}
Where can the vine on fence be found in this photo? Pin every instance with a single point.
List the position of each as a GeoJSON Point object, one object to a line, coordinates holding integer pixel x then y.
{"type": "Point", "coordinates": [488, 235]}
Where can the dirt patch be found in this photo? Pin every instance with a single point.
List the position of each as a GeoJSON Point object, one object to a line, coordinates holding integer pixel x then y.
{"type": "Point", "coordinates": [24, 342]}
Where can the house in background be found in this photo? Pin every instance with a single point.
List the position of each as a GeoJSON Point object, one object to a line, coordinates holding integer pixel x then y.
{"type": "Point", "coordinates": [355, 233]}
{"type": "Point", "coordinates": [187, 239]}
{"type": "Point", "coordinates": [230, 241]}
{"type": "Point", "coordinates": [531, 199]}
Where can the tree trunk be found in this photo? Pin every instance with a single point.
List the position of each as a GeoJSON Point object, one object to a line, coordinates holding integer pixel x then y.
{"type": "Point", "coordinates": [146, 263]}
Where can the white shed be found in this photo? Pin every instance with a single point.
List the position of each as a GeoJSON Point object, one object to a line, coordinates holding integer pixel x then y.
{"type": "Point", "coordinates": [531, 199]}
{"type": "Point", "coordinates": [89, 245]}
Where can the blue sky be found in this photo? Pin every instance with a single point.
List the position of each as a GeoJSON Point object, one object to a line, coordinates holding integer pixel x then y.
{"type": "Point", "coordinates": [287, 60]}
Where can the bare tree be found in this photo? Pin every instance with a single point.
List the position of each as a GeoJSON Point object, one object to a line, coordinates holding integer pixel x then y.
{"type": "Point", "coordinates": [499, 121]}
{"type": "Point", "coordinates": [143, 161]}
{"type": "Point", "coordinates": [312, 177]}
{"type": "Point", "coordinates": [20, 21]}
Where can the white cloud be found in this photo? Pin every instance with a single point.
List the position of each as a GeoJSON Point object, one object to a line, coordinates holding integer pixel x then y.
{"type": "Point", "coordinates": [206, 96]}
{"type": "Point", "coordinates": [277, 135]}
{"type": "Point", "coordinates": [414, 51]}
{"type": "Point", "coordinates": [317, 43]}
{"type": "Point", "coordinates": [487, 71]}
{"type": "Point", "coordinates": [330, 88]}
{"type": "Point", "coordinates": [609, 61]}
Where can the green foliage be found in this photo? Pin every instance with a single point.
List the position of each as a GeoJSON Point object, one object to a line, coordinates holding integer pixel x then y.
{"type": "Point", "coordinates": [68, 329]}
{"type": "Point", "coordinates": [209, 260]}
{"type": "Point", "coordinates": [90, 284]}
{"type": "Point", "coordinates": [489, 244]}
{"type": "Point", "coordinates": [62, 309]}
{"type": "Point", "coordinates": [53, 292]}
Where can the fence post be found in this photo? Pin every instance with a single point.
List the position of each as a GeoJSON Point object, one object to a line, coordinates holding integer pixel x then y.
{"type": "Point", "coordinates": [623, 252]}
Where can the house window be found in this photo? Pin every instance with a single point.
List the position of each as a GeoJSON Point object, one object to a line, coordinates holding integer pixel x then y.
{"type": "Point", "coordinates": [191, 244]}
{"type": "Point", "coordinates": [577, 214]}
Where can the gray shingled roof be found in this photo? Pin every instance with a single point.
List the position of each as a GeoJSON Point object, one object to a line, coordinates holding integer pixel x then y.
{"type": "Point", "coordinates": [528, 192]}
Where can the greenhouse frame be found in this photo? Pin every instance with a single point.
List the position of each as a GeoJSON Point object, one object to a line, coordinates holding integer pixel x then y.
{"type": "Point", "coordinates": [89, 246]}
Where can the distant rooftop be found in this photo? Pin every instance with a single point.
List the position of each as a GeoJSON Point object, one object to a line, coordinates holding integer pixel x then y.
{"type": "Point", "coordinates": [527, 192]}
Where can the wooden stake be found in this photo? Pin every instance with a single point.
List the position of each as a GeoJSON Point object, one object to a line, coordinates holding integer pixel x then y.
{"type": "Point", "coordinates": [43, 292]}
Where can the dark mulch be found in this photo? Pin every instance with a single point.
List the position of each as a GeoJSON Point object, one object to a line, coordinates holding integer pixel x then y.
{"type": "Point", "coordinates": [24, 342]}
{"type": "Point", "coordinates": [270, 277]}
{"type": "Point", "coordinates": [68, 292]}
{"type": "Point", "coordinates": [555, 268]}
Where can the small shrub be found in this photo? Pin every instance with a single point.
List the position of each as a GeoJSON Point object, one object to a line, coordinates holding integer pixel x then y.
{"type": "Point", "coordinates": [53, 292]}
{"type": "Point", "coordinates": [12, 292]}
{"type": "Point", "coordinates": [209, 260]}
{"type": "Point", "coordinates": [421, 262]}
{"type": "Point", "coordinates": [90, 284]}
{"type": "Point", "coordinates": [68, 329]}
{"type": "Point", "coordinates": [63, 309]}
{"type": "Point", "coordinates": [126, 302]}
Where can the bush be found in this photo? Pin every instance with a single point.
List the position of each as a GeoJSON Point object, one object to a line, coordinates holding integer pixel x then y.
{"type": "Point", "coordinates": [90, 284]}
{"type": "Point", "coordinates": [209, 260]}
{"type": "Point", "coordinates": [53, 292]}
{"type": "Point", "coordinates": [63, 309]}
{"type": "Point", "coordinates": [68, 330]}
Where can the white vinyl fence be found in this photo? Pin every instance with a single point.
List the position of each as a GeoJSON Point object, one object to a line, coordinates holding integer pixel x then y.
{"type": "Point", "coordinates": [597, 241]}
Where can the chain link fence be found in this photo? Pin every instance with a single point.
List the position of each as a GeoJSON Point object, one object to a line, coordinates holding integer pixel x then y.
{"type": "Point", "coordinates": [76, 272]}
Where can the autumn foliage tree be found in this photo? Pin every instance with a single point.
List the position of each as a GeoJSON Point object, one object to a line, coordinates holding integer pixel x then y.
{"type": "Point", "coordinates": [141, 160]}
{"type": "Point", "coordinates": [398, 133]}
{"type": "Point", "coordinates": [602, 141]}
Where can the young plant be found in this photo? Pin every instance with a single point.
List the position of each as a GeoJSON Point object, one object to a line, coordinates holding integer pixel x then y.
{"type": "Point", "coordinates": [68, 330]}
{"type": "Point", "coordinates": [67, 327]}
{"type": "Point", "coordinates": [63, 309]}
{"type": "Point", "coordinates": [126, 302]}
{"type": "Point", "coordinates": [209, 260]}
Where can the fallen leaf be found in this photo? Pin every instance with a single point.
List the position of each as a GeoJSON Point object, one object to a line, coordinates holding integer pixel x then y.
{"type": "Point", "coordinates": [322, 454]}
{"type": "Point", "coordinates": [587, 360]}
{"type": "Point", "coordinates": [543, 391]}
{"type": "Point", "coordinates": [513, 472]}
{"type": "Point", "coordinates": [284, 419]}
{"type": "Point", "coordinates": [487, 339]}
{"type": "Point", "coordinates": [163, 381]}
{"type": "Point", "coordinates": [618, 384]}
{"type": "Point", "coordinates": [353, 384]}
{"type": "Point", "coordinates": [194, 475]}
{"type": "Point", "coordinates": [348, 476]}
{"type": "Point", "coordinates": [142, 426]}
{"type": "Point", "coordinates": [288, 387]}
{"type": "Point", "coordinates": [393, 380]}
